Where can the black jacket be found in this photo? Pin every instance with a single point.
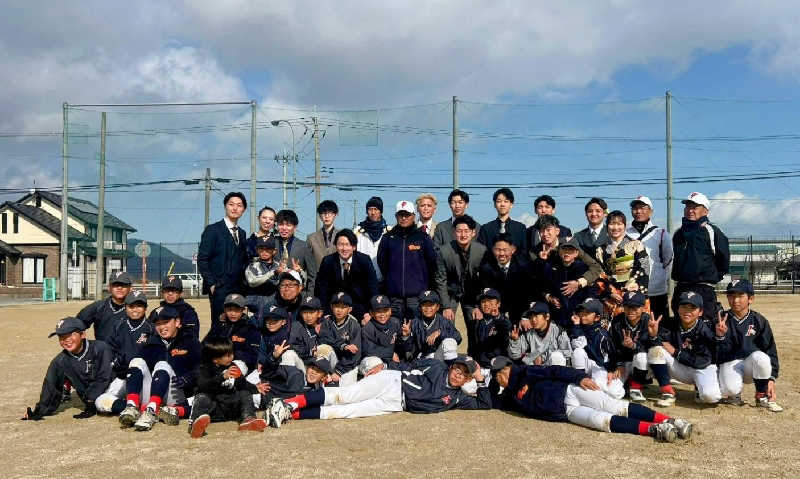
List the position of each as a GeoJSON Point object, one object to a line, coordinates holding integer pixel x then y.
{"type": "Point", "coordinates": [186, 312]}
{"type": "Point", "coordinates": [104, 315]}
{"type": "Point", "coordinates": [361, 283]}
{"type": "Point", "coordinates": [490, 230]}
{"type": "Point", "coordinates": [589, 246]}
{"type": "Point", "coordinates": [127, 342]}
{"type": "Point", "coordinates": [697, 259]}
{"type": "Point", "coordinates": [182, 354]}
{"type": "Point", "coordinates": [220, 261]}
{"type": "Point", "coordinates": [694, 347]}
{"type": "Point", "coordinates": [245, 337]}
{"type": "Point", "coordinates": [517, 288]}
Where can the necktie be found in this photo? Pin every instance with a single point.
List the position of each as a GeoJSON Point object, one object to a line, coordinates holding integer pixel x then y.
{"type": "Point", "coordinates": [285, 252]}
{"type": "Point", "coordinates": [502, 227]}
{"type": "Point", "coordinates": [425, 229]}
{"type": "Point", "coordinates": [345, 270]}
{"type": "Point", "coordinates": [594, 236]}
{"type": "Point", "coordinates": [235, 236]}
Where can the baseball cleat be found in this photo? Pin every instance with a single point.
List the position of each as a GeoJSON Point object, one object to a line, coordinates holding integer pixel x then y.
{"type": "Point", "coordinates": [199, 425]}
{"type": "Point", "coordinates": [636, 396]}
{"type": "Point", "coordinates": [682, 427]}
{"type": "Point", "coordinates": [666, 400]}
{"type": "Point", "coordinates": [169, 415]}
{"type": "Point", "coordinates": [664, 432]}
{"type": "Point", "coordinates": [146, 421]}
{"type": "Point", "coordinates": [767, 404]}
{"type": "Point", "coordinates": [253, 424]}
{"type": "Point", "coordinates": [129, 416]}
{"type": "Point", "coordinates": [66, 394]}
{"type": "Point", "coordinates": [278, 413]}
{"type": "Point", "coordinates": [735, 400]}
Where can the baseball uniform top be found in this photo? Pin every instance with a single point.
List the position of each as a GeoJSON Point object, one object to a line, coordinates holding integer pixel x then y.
{"type": "Point", "coordinates": [745, 336]}
{"type": "Point", "coordinates": [426, 389]}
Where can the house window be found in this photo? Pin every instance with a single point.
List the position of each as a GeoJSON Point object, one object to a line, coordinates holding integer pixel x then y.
{"type": "Point", "coordinates": [16, 223]}
{"type": "Point", "coordinates": [33, 270]}
{"type": "Point", "coordinates": [5, 223]}
{"type": "Point", "coordinates": [93, 232]}
{"type": "Point", "coordinates": [118, 236]}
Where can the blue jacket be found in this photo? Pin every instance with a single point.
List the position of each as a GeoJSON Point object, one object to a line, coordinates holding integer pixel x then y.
{"type": "Point", "coordinates": [183, 354]}
{"type": "Point", "coordinates": [697, 259]}
{"type": "Point", "coordinates": [694, 347]}
{"type": "Point", "coordinates": [426, 389]}
{"type": "Point", "coordinates": [381, 339]}
{"type": "Point", "coordinates": [745, 337]}
{"type": "Point", "coordinates": [491, 338]}
{"type": "Point", "coordinates": [620, 325]}
{"type": "Point", "coordinates": [126, 343]}
{"type": "Point", "coordinates": [417, 345]}
{"type": "Point", "coordinates": [407, 259]}
{"type": "Point", "coordinates": [186, 313]}
{"type": "Point", "coordinates": [245, 337]}
{"type": "Point", "coordinates": [599, 346]}
{"type": "Point", "coordinates": [340, 336]}
{"type": "Point", "coordinates": [544, 398]}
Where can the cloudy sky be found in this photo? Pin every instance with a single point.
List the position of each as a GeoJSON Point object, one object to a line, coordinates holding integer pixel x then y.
{"type": "Point", "coordinates": [554, 94]}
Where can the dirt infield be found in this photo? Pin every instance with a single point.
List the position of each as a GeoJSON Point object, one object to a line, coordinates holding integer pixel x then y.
{"type": "Point", "coordinates": [728, 441]}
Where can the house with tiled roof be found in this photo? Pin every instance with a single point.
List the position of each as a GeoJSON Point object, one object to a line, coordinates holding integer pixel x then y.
{"type": "Point", "coordinates": [30, 238]}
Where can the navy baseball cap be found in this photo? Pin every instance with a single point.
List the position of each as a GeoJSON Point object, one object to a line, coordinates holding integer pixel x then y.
{"type": "Point", "coordinates": [310, 303]}
{"type": "Point", "coordinates": [536, 307]}
{"type": "Point", "coordinates": [136, 297]}
{"type": "Point", "coordinates": [740, 286]}
{"type": "Point", "coordinates": [379, 301]}
{"type": "Point", "coordinates": [467, 361]}
{"type": "Point", "coordinates": [690, 297]}
{"type": "Point", "coordinates": [266, 242]}
{"type": "Point", "coordinates": [591, 305]}
{"type": "Point", "coordinates": [167, 312]}
{"type": "Point", "coordinates": [322, 364]}
{"type": "Point", "coordinates": [68, 325]}
{"type": "Point", "coordinates": [342, 298]}
{"type": "Point", "coordinates": [429, 297]}
{"type": "Point", "coordinates": [172, 282]}
{"type": "Point", "coordinates": [499, 362]}
{"type": "Point", "coordinates": [633, 298]}
{"type": "Point", "coordinates": [234, 299]}
{"type": "Point", "coordinates": [489, 293]}
{"type": "Point", "coordinates": [120, 277]}
{"type": "Point", "coordinates": [571, 242]}
{"type": "Point", "coordinates": [275, 312]}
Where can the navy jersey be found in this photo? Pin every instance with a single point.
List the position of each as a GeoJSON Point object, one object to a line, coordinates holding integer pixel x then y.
{"type": "Point", "coordinates": [426, 389]}
{"type": "Point", "coordinates": [599, 347]}
{"type": "Point", "coordinates": [304, 339]}
{"type": "Point", "coordinates": [381, 339]}
{"type": "Point", "coordinates": [89, 372]}
{"type": "Point", "coordinates": [537, 391]}
{"type": "Point", "coordinates": [284, 380]}
{"type": "Point", "coordinates": [269, 340]}
{"type": "Point", "coordinates": [182, 353]}
{"type": "Point", "coordinates": [186, 313]}
{"type": "Point", "coordinates": [340, 335]}
{"type": "Point", "coordinates": [491, 338]}
{"type": "Point", "coordinates": [245, 338]}
{"type": "Point", "coordinates": [104, 315]}
{"type": "Point", "coordinates": [126, 343]}
{"type": "Point", "coordinates": [746, 336]}
{"type": "Point", "coordinates": [417, 345]}
{"type": "Point", "coordinates": [694, 346]}
{"type": "Point", "coordinates": [619, 326]}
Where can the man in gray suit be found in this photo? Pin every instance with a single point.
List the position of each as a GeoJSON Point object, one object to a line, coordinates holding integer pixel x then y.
{"type": "Point", "coordinates": [294, 252]}
{"type": "Point", "coordinates": [595, 234]}
{"type": "Point", "coordinates": [321, 241]}
{"type": "Point", "coordinates": [458, 201]}
{"type": "Point", "coordinates": [457, 274]}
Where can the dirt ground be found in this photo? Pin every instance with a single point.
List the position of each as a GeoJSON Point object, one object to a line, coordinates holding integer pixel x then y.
{"type": "Point", "coordinates": [728, 441]}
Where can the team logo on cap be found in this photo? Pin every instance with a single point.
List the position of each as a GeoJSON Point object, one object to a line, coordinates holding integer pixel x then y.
{"type": "Point", "coordinates": [339, 295]}
{"type": "Point", "coordinates": [379, 299]}
{"type": "Point", "coordinates": [735, 282]}
{"type": "Point", "coordinates": [309, 299]}
{"type": "Point", "coordinates": [486, 290]}
{"type": "Point", "coordinates": [427, 293]}
{"type": "Point", "coordinates": [60, 322]}
{"type": "Point", "coordinates": [403, 204]}
{"type": "Point", "coordinates": [272, 308]}
{"type": "Point", "coordinates": [118, 274]}
{"type": "Point", "coordinates": [136, 293]}
{"type": "Point", "coordinates": [690, 294]}
{"type": "Point", "coordinates": [533, 303]}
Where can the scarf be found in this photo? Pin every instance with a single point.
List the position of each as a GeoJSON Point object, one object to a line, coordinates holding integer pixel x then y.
{"type": "Point", "coordinates": [374, 229]}
{"type": "Point", "coordinates": [639, 225]}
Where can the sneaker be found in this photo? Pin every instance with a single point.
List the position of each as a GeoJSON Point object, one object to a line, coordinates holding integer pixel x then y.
{"type": "Point", "coordinates": [66, 393]}
{"type": "Point", "coordinates": [278, 413]}
{"type": "Point", "coordinates": [129, 416]}
{"type": "Point", "coordinates": [169, 415]}
{"type": "Point", "coordinates": [682, 427]}
{"type": "Point", "coordinates": [636, 396]}
{"type": "Point", "coordinates": [666, 400]}
{"type": "Point", "coordinates": [765, 402]}
{"type": "Point", "coordinates": [732, 400]}
{"type": "Point", "coordinates": [198, 427]}
{"type": "Point", "coordinates": [146, 421]}
{"type": "Point", "coordinates": [664, 432]}
{"type": "Point", "coordinates": [253, 424]}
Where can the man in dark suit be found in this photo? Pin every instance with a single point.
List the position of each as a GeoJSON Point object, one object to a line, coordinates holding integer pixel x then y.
{"type": "Point", "coordinates": [512, 276]}
{"type": "Point", "coordinates": [458, 201]}
{"type": "Point", "coordinates": [595, 234]}
{"type": "Point", "coordinates": [503, 202]}
{"type": "Point", "coordinates": [543, 206]}
{"type": "Point", "coordinates": [457, 281]}
{"type": "Point", "coordinates": [293, 252]}
{"type": "Point", "coordinates": [349, 271]}
{"type": "Point", "coordinates": [222, 255]}
{"type": "Point", "coordinates": [321, 241]}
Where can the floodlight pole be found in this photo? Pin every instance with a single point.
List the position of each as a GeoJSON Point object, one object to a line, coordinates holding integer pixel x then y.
{"type": "Point", "coordinates": [64, 263]}
{"type": "Point", "coordinates": [101, 203]}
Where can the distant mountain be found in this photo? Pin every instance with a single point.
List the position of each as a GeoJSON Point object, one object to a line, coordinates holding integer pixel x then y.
{"type": "Point", "coordinates": [161, 256]}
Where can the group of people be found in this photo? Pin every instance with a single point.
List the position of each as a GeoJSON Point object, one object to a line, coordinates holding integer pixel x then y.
{"type": "Point", "coordinates": [559, 326]}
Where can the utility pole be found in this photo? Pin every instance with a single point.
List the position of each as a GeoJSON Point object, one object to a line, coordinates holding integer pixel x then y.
{"type": "Point", "coordinates": [208, 194]}
{"type": "Point", "coordinates": [101, 203]}
{"type": "Point", "coordinates": [669, 162]}
{"type": "Point", "coordinates": [355, 205]}
{"type": "Point", "coordinates": [283, 159]}
{"type": "Point", "coordinates": [316, 168]}
{"type": "Point", "coordinates": [455, 143]}
{"type": "Point", "coordinates": [64, 259]}
{"type": "Point", "coordinates": [253, 203]}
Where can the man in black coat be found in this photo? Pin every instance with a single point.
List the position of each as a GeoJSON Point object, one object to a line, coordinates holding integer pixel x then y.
{"type": "Point", "coordinates": [511, 275]}
{"type": "Point", "coordinates": [222, 256]}
{"type": "Point", "coordinates": [458, 201]}
{"type": "Point", "coordinates": [544, 205]}
{"type": "Point", "coordinates": [293, 252]}
{"type": "Point", "coordinates": [503, 202]}
{"type": "Point", "coordinates": [595, 233]}
{"type": "Point", "coordinates": [348, 271]}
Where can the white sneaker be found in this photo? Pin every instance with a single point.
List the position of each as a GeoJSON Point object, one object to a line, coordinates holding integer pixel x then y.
{"type": "Point", "coordinates": [146, 421]}
{"type": "Point", "coordinates": [682, 427]}
{"type": "Point", "coordinates": [129, 416]}
{"type": "Point", "coordinates": [169, 415]}
{"type": "Point", "coordinates": [666, 400]}
{"type": "Point", "coordinates": [664, 432]}
{"type": "Point", "coordinates": [636, 396]}
{"type": "Point", "coordinates": [278, 413]}
{"type": "Point", "coordinates": [766, 403]}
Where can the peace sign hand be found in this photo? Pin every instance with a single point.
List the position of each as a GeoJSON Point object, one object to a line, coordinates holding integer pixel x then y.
{"type": "Point", "coordinates": [627, 341]}
{"type": "Point", "coordinates": [280, 349]}
{"type": "Point", "coordinates": [722, 324]}
{"type": "Point", "coordinates": [514, 333]}
{"type": "Point", "coordinates": [406, 331]}
{"type": "Point", "coordinates": [653, 325]}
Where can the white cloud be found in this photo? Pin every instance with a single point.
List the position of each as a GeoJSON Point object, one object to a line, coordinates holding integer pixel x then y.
{"type": "Point", "coordinates": [751, 214]}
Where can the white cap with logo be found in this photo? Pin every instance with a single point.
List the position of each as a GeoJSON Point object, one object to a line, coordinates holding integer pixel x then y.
{"type": "Point", "coordinates": [642, 199]}
{"type": "Point", "coordinates": [699, 198]}
{"type": "Point", "coordinates": [406, 206]}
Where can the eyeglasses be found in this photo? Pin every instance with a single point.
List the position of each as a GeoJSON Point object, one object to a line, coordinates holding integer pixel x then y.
{"type": "Point", "coordinates": [289, 286]}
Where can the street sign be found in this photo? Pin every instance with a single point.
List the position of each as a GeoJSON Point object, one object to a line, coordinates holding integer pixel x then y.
{"type": "Point", "coordinates": [142, 249]}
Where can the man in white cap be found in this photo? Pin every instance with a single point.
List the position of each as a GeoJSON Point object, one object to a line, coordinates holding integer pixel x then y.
{"type": "Point", "coordinates": [701, 255]}
{"type": "Point", "coordinates": [407, 260]}
{"type": "Point", "coordinates": [658, 243]}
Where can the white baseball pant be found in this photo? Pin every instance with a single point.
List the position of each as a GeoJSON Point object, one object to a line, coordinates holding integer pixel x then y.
{"type": "Point", "coordinates": [704, 379]}
{"type": "Point", "coordinates": [115, 390]}
{"type": "Point", "coordinates": [580, 360]}
{"type": "Point", "coordinates": [592, 409]}
{"type": "Point", "coordinates": [174, 395]}
{"type": "Point", "coordinates": [734, 373]}
{"type": "Point", "coordinates": [375, 395]}
{"type": "Point", "coordinates": [639, 362]}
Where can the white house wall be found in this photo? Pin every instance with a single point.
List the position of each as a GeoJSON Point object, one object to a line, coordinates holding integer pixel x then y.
{"type": "Point", "coordinates": [56, 211]}
{"type": "Point", "coordinates": [29, 233]}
